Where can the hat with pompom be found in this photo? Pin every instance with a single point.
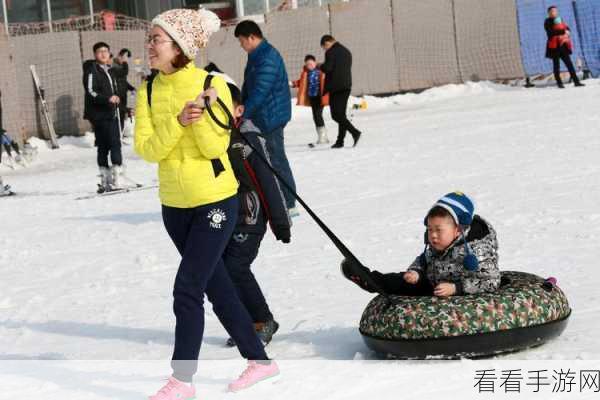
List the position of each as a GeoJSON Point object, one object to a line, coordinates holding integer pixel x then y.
{"type": "Point", "coordinates": [190, 29]}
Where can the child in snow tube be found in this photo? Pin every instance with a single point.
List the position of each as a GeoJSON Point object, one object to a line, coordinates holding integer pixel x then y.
{"type": "Point", "coordinates": [460, 256]}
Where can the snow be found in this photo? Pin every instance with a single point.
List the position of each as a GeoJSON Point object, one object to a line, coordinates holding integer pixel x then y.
{"type": "Point", "coordinates": [92, 279]}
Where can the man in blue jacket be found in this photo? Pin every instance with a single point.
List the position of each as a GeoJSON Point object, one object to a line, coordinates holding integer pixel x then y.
{"type": "Point", "coordinates": [266, 98]}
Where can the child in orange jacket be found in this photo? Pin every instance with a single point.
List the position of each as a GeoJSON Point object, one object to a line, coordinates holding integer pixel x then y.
{"type": "Point", "coordinates": [310, 94]}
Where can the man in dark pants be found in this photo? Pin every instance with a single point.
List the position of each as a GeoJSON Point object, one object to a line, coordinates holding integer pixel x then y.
{"type": "Point", "coordinates": [120, 69]}
{"type": "Point", "coordinates": [101, 108]}
{"type": "Point", "coordinates": [267, 100]}
{"type": "Point", "coordinates": [559, 46]}
{"type": "Point", "coordinates": [338, 83]}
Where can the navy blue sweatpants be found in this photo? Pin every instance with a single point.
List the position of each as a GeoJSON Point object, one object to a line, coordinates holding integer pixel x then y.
{"type": "Point", "coordinates": [239, 255]}
{"type": "Point", "coordinates": [200, 235]}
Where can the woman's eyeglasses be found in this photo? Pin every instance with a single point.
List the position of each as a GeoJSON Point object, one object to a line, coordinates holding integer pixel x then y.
{"type": "Point", "coordinates": [156, 40]}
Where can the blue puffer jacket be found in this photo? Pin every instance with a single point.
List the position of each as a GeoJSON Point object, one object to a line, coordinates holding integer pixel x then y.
{"type": "Point", "coordinates": [266, 91]}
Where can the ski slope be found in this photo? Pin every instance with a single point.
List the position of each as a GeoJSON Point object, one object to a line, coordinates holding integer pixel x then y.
{"type": "Point", "coordinates": [92, 279]}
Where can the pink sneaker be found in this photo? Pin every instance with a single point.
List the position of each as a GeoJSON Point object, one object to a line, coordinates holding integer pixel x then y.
{"type": "Point", "coordinates": [253, 374]}
{"type": "Point", "coordinates": [175, 390]}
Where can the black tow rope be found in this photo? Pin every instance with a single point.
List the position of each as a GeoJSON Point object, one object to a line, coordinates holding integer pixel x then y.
{"type": "Point", "coordinates": [351, 261]}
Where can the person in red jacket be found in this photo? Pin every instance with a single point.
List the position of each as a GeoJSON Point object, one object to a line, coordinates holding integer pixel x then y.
{"type": "Point", "coordinates": [559, 45]}
{"type": "Point", "coordinates": [311, 94]}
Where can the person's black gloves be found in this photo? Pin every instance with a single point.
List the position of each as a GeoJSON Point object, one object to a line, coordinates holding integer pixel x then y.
{"type": "Point", "coordinates": [282, 233]}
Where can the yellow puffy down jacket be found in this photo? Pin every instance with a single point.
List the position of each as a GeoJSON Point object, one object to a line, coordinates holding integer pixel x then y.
{"type": "Point", "coordinates": [184, 154]}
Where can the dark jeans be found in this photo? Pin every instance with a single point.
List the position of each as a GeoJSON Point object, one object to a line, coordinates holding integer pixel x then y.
{"type": "Point", "coordinates": [394, 283]}
{"type": "Point", "coordinates": [200, 238]}
{"type": "Point", "coordinates": [563, 55]}
{"type": "Point", "coordinates": [238, 257]}
{"type": "Point", "coordinates": [338, 101]}
{"type": "Point", "coordinates": [276, 148]}
{"type": "Point", "coordinates": [108, 140]}
{"type": "Point", "coordinates": [317, 111]}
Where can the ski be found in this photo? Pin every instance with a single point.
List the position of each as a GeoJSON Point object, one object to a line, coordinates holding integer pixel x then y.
{"type": "Point", "coordinates": [45, 109]}
{"type": "Point", "coordinates": [117, 191]}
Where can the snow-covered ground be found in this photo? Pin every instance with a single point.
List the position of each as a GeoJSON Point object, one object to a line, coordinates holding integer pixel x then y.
{"type": "Point", "coordinates": [92, 279]}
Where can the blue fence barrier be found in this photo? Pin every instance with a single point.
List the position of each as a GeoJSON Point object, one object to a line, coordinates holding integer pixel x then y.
{"type": "Point", "coordinates": [588, 18]}
{"type": "Point", "coordinates": [531, 15]}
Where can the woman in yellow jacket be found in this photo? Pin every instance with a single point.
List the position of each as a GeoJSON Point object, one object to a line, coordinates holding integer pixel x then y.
{"type": "Point", "coordinates": [198, 192]}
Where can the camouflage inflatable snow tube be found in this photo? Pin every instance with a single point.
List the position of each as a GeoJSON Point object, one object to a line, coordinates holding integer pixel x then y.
{"type": "Point", "coordinates": [524, 312]}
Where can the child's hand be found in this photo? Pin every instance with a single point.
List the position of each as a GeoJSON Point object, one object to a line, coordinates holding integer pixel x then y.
{"type": "Point", "coordinates": [411, 277]}
{"type": "Point", "coordinates": [445, 290]}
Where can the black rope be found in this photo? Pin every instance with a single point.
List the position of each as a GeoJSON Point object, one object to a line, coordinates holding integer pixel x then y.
{"type": "Point", "coordinates": [348, 255]}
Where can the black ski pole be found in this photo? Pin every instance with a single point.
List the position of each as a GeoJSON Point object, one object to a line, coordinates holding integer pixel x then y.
{"type": "Point", "coordinates": [355, 264]}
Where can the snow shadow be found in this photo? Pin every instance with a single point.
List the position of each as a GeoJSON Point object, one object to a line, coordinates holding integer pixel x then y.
{"type": "Point", "coordinates": [103, 331]}
{"type": "Point", "coordinates": [334, 343]}
{"type": "Point", "coordinates": [77, 380]}
{"type": "Point", "coordinates": [128, 218]}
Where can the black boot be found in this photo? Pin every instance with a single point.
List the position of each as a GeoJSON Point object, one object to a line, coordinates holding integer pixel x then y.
{"type": "Point", "coordinates": [356, 138]}
{"type": "Point", "coordinates": [337, 145]}
{"type": "Point", "coordinates": [578, 83]}
{"type": "Point", "coordinates": [560, 85]}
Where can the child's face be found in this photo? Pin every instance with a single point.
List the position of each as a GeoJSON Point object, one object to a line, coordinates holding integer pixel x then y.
{"type": "Point", "coordinates": [441, 232]}
{"type": "Point", "coordinates": [553, 13]}
{"type": "Point", "coordinates": [310, 64]}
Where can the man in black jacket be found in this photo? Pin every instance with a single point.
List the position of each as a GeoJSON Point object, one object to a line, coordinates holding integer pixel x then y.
{"type": "Point", "coordinates": [338, 83]}
{"type": "Point", "coordinates": [120, 69]}
{"type": "Point", "coordinates": [101, 108]}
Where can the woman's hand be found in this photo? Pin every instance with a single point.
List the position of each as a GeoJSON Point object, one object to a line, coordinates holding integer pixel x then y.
{"type": "Point", "coordinates": [191, 113]}
{"type": "Point", "coordinates": [411, 277]}
{"type": "Point", "coordinates": [445, 289]}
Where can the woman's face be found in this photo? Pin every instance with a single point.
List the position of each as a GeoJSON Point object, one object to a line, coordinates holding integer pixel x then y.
{"type": "Point", "coordinates": [161, 51]}
{"type": "Point", "coordinates": [553, 13]}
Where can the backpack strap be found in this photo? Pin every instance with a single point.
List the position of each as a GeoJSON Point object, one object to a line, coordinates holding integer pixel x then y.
{"type": "Point", "coordinates": [217, 165]}
{"type": "Point", "coordinates": [230, 122]}
{"type": "Point", "coordinates": [149, 86]}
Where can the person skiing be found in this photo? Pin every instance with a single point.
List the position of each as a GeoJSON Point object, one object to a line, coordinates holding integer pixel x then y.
{"type": "Point", "coordinates": [559, 46]}
{"type": "Point", "coordinates": [311, 86]}
{"type": "Point", "coordinates": [198, 192]}
{"type": "Point", "coordinates": [101, 109]}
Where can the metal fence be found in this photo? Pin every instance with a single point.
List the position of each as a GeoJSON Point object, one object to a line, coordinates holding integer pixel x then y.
{"type": "Point", "coordinates": [398, 45]}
